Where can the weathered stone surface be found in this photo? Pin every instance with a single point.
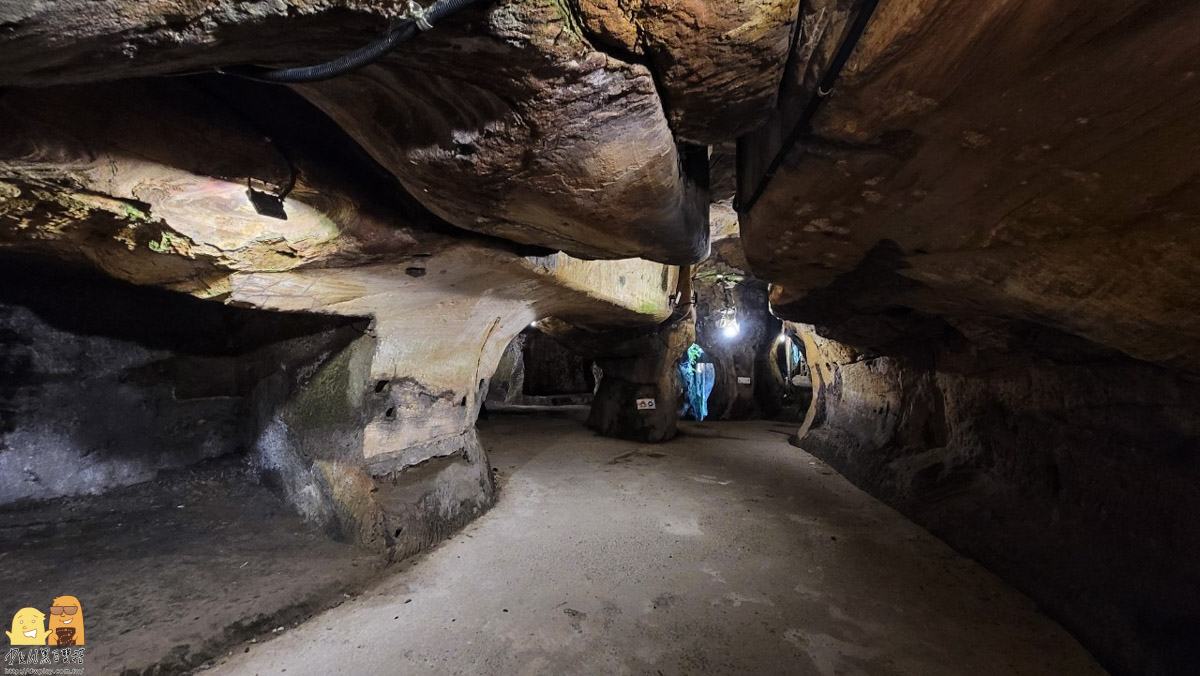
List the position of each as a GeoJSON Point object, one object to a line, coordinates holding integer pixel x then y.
{"type": "Point", "coordinates": [551, 371]}
{"type": "Point", "coordinates": [518, 128]}
{"type": "Point", "coordinates": [825, 27]}
{"type": "Point", "coordinates": [509, 124]}
{"type": "Point", "coordinates": [649, 375]}
{"type": "Point", "coordinates": [374, 439]}
{"type": "Point", "coordinates": [106, 384]}
{"type": "Point", "coordinates": [719, 64]}
{"type": "Point", "coordinates": [1067, 468]}
{"type": "Point", "coordinates": [635, 364]}
{"type": "Point", "coordinates": [986, 149]}
{"type": "Point", "coordinates": [158, 195]}
{"type": "Point", "coordinates": [507, 384]}
{"type": "Point", "coordinates": [994, 214]}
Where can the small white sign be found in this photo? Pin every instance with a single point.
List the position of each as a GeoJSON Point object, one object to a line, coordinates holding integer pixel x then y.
{"type": "Point", "coordinates": [646, 404]}
{"type": "Point", "coordinates": [743, 380]}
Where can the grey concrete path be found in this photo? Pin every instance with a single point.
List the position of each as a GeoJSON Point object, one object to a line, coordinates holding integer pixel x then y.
{"type": "Point", "coordinates": [726, 551]}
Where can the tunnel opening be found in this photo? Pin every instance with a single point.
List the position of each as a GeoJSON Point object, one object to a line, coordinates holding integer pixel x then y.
{"type": "Point", "coordinates": [538, 370]}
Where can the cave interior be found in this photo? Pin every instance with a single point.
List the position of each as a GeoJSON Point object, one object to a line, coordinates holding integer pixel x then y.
{"type": "Point", "coordinates": [300, 299]}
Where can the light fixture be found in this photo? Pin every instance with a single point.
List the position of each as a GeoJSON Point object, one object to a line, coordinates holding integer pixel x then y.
{"type": "Point", "coordinates": [782, 337]}
{"type": "Point", "coordinates": [727, 319]}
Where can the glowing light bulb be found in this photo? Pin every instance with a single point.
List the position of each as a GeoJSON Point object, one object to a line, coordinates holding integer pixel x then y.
{"type": "Point", "coordinates": [731, 330]}
{"type": "Point", "coordinates": [782, 337]}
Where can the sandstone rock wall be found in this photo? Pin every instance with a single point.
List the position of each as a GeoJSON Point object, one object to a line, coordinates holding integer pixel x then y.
{"type": "Point", "coordinates": [1070, 471]}
{"type": "Point", "coordinates": [987, 148]}
{"type": "Point", "coordinates": [719, 64]}
{"type": "Point", "coordinates": [370, 436]}
{"type": "Point", "coordinates": [505, 120]}
{"type": "Point", "coordinates": [507, 384]}
{"type": "Point", "coordinates": [106, 384]}
{"type": "Point", "coordinates": [993, 214]}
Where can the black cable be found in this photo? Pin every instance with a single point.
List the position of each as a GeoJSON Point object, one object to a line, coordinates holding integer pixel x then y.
{"type": "Point", "coordinates": [824, 89]}
{"type": "Point", "coordinates": [357, 59]}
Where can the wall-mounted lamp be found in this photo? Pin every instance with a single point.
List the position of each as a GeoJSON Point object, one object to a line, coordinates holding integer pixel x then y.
{"type": "Point", "coordinates": [730, 329]}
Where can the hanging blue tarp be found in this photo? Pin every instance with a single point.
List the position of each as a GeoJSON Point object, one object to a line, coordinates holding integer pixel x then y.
{"type": "Point", "coordinates": [696, 377]}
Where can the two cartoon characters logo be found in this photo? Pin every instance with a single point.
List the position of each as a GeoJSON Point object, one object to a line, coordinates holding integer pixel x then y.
{"type": "Point", "coordinates": [66, 624]}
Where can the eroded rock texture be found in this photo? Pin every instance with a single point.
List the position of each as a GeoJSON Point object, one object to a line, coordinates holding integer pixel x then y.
{"type": "Point", "coordinates": [107, 384]}
{"type": "Point", "coordinates": [719, 63]}
{"type": "Point", "coordinates": [638, 396]}
{"type": "Point", "coordinates": [157, 194]}
{"type": "Point", "coordinates": [535, 137]}
{"type": "Point", "coordinates": [1067, 468]}
{"type": "Point", "coordinates": [505, 121]}
{"type": "Point", "coordinates": [552, 372]}
{"type": "Point", "coordinates": [370, 435]}
{"type": "Point", "coordinates": [987, 149]}
{"type": "Point", "coordinates": [639, 371]}
{"type": "Point", "coordinates": [991, 221]}
{"type": "Point", "coordinates": [994, 215]}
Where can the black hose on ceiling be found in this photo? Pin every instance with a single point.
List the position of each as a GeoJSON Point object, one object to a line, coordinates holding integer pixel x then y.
{"type": "Point", "coordinates": [402, 31]}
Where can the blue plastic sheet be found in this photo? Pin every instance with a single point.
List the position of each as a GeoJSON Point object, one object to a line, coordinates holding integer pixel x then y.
{"type": "Point", "coordinates": [696, 377]}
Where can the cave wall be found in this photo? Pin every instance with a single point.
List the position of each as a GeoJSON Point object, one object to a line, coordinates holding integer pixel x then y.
{"type": "Point", "coordinates": [552, 369]}
{"type": "Point", "coordinates": [312, 447]}
{"type": "Point", "coordinates": [635, 363]}
{"type": "Point", "coordinates": [507, 384]}
{"type": "Point", "coordinates": [506, 120]}
{"type": "Point", "coordinates": [1003, 245]}
{"type": "Point", "coordinates": [537, 370]}
{"type": "Point", "coordinates": [1068, 469]}
{"type": "Point", "coordinates": [85, 413]}
{"type": "Point", "coordinates": [106, 384]}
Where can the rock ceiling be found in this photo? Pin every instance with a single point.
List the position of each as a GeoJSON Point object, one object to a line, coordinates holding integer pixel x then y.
{"type": "Point", "coordinates": [975, 164]}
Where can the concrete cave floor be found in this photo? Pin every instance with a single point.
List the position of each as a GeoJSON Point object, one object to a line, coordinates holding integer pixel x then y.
{"type": "Point", "coordinates": [726, 551]}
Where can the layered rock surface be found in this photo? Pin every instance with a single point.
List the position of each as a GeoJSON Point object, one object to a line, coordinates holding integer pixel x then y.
{"type": "Point", "coordinates": [988, 151]}
{"type": "Point", "coordinates": [991, 221]}
{"type": "Point", "coordinates": [719, 63]}
{"type": "Point", "coordinates": [1066, 468]}
{"type": "Point", "coordinates": [370, 434]}
{"type": "Point", "coordinates": [505, 121]}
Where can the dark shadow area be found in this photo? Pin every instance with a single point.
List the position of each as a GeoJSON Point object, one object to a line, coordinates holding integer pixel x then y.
{"type": "Point", "coordinates": [90, 303]}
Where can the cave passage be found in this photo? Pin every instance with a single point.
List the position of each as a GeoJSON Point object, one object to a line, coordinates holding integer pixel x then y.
{"type": "Point", "coordinates": [725, 551]}
{"type": "Point", "coordinates": [664, 337]}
